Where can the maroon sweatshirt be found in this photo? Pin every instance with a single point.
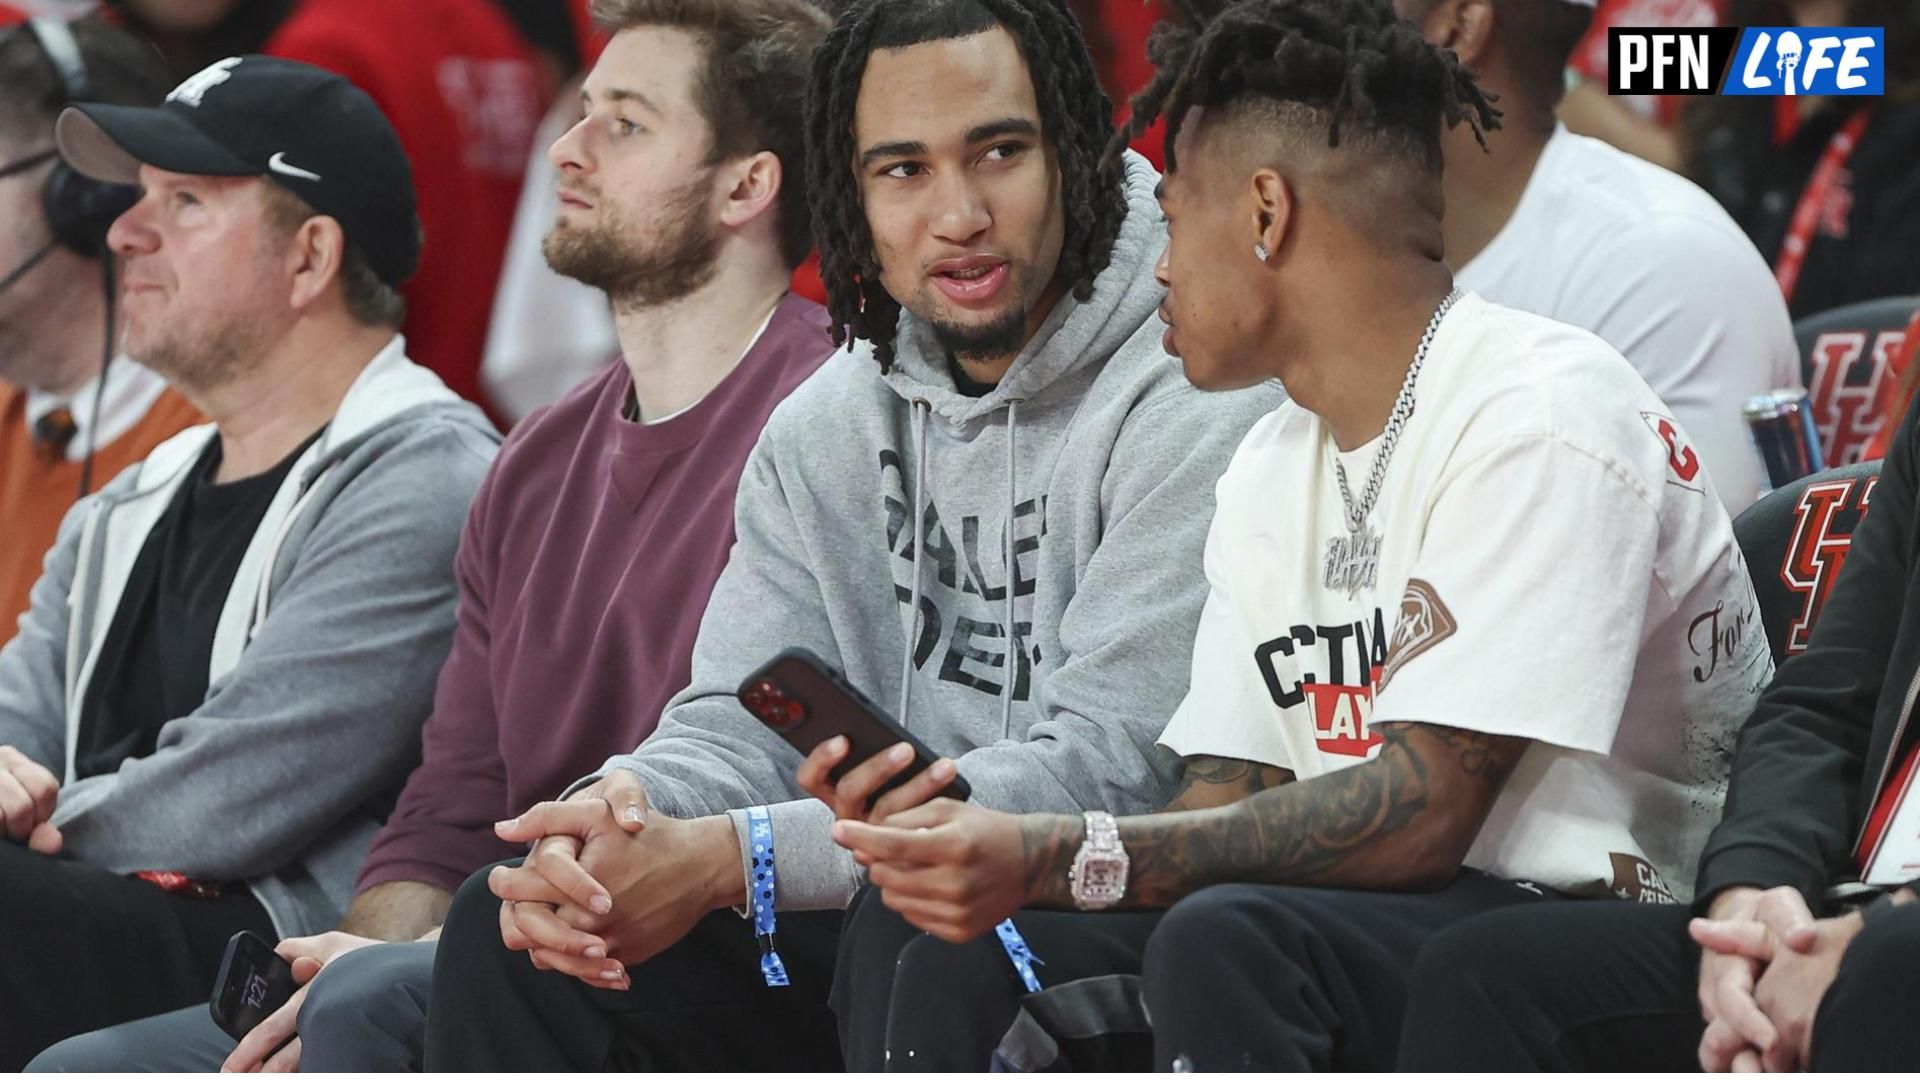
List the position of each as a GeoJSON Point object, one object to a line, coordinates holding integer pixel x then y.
{"type": "Point", "coordinates": [585, 567]}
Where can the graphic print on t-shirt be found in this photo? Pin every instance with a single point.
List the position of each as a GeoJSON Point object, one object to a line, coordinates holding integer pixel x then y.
{"type": "Point", "coordinates": [1424, 623]}
{"type": "Point", "coordinates": [1638, 880]}
{"type": "Point", "coordinates": [962, 606]}
{"type": "Point", "coordinates": [1683, 464]}
{"type": "Point", "coordinates": [1333, 670]}
{"type": "Point", "coordinates": [1555, 571]}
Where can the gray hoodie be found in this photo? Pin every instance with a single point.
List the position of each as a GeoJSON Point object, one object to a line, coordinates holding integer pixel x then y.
{"type": "Point", "coordinates": [871, 499]}
{"type": "Point", "coordinates": [324, 657]}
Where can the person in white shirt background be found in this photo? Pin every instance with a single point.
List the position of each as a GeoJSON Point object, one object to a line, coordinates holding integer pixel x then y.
{"type": "Point", "coordinates": [1478, 630]}
{"type": "Point", "coordinates": [1566, 226]}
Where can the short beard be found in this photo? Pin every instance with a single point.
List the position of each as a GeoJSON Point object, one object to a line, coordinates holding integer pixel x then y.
{"type": "Point", "coordinates": [679, 258]}
{"type": "Point", "coordinates": [998, 338]}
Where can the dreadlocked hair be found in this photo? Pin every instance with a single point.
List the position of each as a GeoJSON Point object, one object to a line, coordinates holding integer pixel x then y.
{"type": "Point", "coordinates": [1352, 62]}
{"type": "Point", "coordinates": [1075, 117]}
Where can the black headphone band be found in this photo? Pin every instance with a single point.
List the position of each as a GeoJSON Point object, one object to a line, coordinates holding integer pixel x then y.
{"type": "Point", "coordinates": [80, 210]}
{"type": "Point", "coordinates": [31, 161]}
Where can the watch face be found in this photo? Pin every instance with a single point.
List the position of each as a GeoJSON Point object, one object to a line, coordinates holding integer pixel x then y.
{"type": "Point", "coordinates": [1100, 878]}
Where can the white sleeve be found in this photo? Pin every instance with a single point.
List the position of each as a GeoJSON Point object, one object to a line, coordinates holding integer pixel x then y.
{"type": "Point", "coordinates": [1706, 332]}
{"type": "Point", "coordinates": [1528, 601]}
{"type": "Point", "coordinates": [1228, 711]}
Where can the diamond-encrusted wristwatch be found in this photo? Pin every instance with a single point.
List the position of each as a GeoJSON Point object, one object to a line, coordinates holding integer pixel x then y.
{"type": "Point", "coordinates": [1099, 874]}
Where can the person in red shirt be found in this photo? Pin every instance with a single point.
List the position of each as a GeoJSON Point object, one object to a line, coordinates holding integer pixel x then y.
{"type": "Point", "coordinates": [459, 84]}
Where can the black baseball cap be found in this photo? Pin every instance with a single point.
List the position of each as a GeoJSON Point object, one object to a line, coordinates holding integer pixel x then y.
{"type": "Point", "coordinates": [306, 129]}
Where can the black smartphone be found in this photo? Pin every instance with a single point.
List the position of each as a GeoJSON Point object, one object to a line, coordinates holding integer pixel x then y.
{"type": "Point", "coordinates": [806, 702]}
{"type": "Point", "coordinates": [254, 982]}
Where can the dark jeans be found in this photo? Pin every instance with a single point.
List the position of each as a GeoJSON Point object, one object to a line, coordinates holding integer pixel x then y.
{"type": "Point", "coordinates": [1610, 986]}
{"type": "Point", "coordinates": [85, 948]}
{"type": "Point", "coordinates": [367, 1012]}
{"type": "Point", "coordinates": [699, 1005]}
{"type": "Point", "coordinates": [909, 1002]}
{"type": "Point", "coordinates": [1234, 977]}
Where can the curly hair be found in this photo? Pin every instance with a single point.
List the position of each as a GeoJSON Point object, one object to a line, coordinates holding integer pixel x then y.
{"type": "Point", "coordinates": [1075, 117]}
{"type": "Point", "coordinates": [1353, 62]}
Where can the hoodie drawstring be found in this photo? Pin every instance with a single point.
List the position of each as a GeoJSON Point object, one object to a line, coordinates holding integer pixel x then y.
{"type": "Point", "coordinates": [1013, 579]}
{"type": "Point", "coordinates": [921, 411]}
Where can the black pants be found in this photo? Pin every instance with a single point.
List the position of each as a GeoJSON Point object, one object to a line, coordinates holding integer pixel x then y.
{"type": "Point", "coordinates": [909, 1002]}
{"type": "Point", "coordinates": [1234, 977]}
{"type": "Point", "coordinates": [1611, 986]}
{"type": "Point", "coordinates": [82, 948]}
{"type": "Point", "coordinates": [699, 1005]}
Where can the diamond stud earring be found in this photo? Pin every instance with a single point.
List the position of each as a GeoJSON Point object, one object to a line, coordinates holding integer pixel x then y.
{"type": "Point", "coordinates": [1260, 252]}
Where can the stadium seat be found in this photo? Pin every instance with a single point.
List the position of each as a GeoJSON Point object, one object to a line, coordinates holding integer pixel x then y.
{"type": "Point", "coordinates": [1795, 540]}
{"type": "Point", "coordinates": [1847, 362]}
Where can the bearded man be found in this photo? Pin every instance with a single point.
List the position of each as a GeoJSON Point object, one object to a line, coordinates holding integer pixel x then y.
{"type": "Point", "coordinates": [594, 542]}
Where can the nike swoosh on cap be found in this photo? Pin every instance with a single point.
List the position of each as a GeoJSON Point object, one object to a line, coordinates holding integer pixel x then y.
{"type": "Point", "coordinates": [278, 163]}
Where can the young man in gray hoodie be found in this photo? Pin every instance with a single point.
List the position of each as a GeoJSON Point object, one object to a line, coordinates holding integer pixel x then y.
{"type": "Point", "coordinates": [220, 683]}
{"type": "Point", "coordinates": [1006, 455]}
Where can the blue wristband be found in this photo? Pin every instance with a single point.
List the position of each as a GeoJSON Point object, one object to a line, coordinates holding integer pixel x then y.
{"type": "Point", "coordinates": [760, 835]}
{"type": "Point", "coordinates": [1018, 952]}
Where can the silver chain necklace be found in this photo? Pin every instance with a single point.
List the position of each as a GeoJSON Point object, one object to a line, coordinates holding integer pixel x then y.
{"type": "Point", "coordinates": [1353, 560]}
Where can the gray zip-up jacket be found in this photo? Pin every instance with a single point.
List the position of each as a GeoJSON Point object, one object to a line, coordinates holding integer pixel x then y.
{"type": "Point", "coordinates": [872, 525]}
{"type": "Point", "coordinates": [324, 658]}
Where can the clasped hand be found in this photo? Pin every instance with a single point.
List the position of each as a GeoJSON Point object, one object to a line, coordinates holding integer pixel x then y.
{"type": "Point", "coordinates": [28, 795]}
{"type": "Point", "coordinates": [1765, 964]}
{"type": "Point", "coordinates": [607, 883]}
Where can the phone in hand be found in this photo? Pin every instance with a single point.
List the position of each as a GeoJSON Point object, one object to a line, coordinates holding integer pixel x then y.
{"type": "Point", "coordinates": [806, 702]}
{"type": "Point", "coordinates": [253, 983]}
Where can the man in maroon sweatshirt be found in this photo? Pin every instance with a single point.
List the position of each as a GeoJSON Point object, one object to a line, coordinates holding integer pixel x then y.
{"type": "Point", "coordinates": [595, 540]}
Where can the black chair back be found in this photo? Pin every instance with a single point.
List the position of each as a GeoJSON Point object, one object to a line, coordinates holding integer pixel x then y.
{"type": "Point", "coordinates": [1795, 541]}
{"type": "Point", "coordinates": [1846, 361]}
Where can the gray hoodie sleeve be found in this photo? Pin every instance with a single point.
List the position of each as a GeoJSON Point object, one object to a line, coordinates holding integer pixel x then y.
{"type": "Point", "coordinates": [33, 666]}
{"type": "Point", "coordinates": [1127, 637]}
{"type": "Point", "coordinates": [322, 715]}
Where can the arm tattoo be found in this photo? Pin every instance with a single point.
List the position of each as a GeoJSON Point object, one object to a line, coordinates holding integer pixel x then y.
{"type": "Point", "coordinates": [1217, 781]}
{"type": "Point", "coordinates": [1050, 842]}
{"type": "Point", "coordinates": [1409, 813]}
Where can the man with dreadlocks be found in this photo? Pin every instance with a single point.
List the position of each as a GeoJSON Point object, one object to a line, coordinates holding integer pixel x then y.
{"type": "Point", "coordinates": [1478, 629]}
{"type": "Point", "coordinates": [989, 513]}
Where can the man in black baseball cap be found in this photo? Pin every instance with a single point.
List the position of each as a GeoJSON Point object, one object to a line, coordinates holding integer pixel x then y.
{"type": "Point", "coordinates": [219, 684]}
{"type": "Point", "coordinates": [308, 130]}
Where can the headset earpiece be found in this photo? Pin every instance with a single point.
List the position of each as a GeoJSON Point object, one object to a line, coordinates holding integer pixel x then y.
{"type": "Point", "coordinates": [79, 209]}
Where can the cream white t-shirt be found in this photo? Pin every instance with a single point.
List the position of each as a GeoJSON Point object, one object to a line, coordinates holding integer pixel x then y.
{"type": "Point", "coordinates": [1554, 565]}
{"type": "Point", "coordinates": [1651, 263]}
